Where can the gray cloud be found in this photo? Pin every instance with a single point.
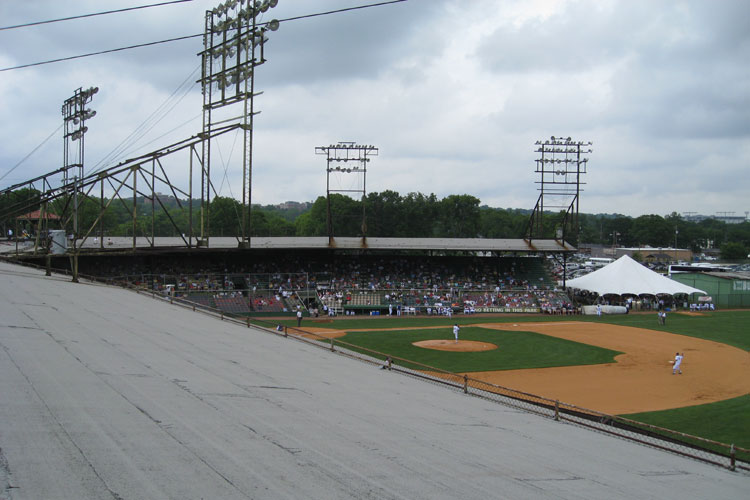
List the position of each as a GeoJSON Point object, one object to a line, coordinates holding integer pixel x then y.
{"type": "Point", "coordinates": [454, 93]}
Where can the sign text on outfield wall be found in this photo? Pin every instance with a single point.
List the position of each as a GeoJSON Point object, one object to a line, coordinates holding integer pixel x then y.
{"type": "Point", "coordinates": [508, 310]}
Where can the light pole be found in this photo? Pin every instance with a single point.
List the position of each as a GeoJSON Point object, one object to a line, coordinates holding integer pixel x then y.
{"type": "Point", "coordinates": [75, 114]}
{"type": "Point", "coordinates": [346, 152]}
{"type": "Point", "coordinates": [675, 244]}
{"type": "Point", "coordinates": [234, 42]}
{"type": "Point", "coordinates": [561, 166]}
{"type": "Point", "coordinates": [614, 236]}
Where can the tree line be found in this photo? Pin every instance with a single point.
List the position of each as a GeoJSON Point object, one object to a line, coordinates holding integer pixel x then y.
{"type": "Point", "coordinates": [384, 214]}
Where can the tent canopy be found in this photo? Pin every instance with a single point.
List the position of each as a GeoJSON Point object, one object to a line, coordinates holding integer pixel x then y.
{"type": "Point", "coordinates": [626, 276]}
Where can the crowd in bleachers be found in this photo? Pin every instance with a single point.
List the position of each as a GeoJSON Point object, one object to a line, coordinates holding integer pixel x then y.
{"type": "Point", "coordinates": [424, 284]}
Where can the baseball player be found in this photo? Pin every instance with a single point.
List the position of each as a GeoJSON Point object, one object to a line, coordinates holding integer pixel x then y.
{"type": "Point", "coordinates": [455, 331]}
{"type": "Point", "coordinates": [677, 362]}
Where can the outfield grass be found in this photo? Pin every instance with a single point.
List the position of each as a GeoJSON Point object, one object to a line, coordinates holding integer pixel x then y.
{"type": "Point", "coordinates": [727, 327]}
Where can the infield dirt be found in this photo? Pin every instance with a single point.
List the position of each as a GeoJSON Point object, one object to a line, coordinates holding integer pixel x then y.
{"type": "Point", "coordinates": [639, 380]}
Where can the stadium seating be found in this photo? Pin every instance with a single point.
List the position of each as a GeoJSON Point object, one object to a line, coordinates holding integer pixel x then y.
{"type": "Point", "coordinates": [365, 282]}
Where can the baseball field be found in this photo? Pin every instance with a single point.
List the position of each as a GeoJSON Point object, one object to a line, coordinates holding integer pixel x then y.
{"type": "Point", "coordinates": [619, 365]}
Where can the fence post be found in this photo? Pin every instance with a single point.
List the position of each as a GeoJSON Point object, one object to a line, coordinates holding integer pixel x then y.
{"type": "Point", "coordinates": [248, 321]}
{"type": "Point", "coordinates": [466, 384]}
{"type": "Point", "coordinates": [286, 334]}
{"type": "Point", "coordinates": [390, 362]}
{"type": "Point", "coordinates": [557, 409]}
{"type": "Point", "coordinates": [332, 343]}
{"type": "Point", "coordinates": [732, 457]}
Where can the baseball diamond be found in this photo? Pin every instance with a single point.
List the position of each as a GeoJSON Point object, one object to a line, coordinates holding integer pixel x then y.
{"type": "Point", "coordinates": [637, 381]}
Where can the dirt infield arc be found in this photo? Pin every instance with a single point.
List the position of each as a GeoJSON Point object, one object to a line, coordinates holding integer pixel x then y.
{"type": "Point", "coordinates": [639, 380]}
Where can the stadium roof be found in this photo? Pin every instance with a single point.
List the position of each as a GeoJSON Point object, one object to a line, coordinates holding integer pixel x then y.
{"type": "Point", "coordinates": [321, 243]}
{"type": "Point", "coordinates": [470, 244]}
{"type": "Point", "coordinates": [353, 243]}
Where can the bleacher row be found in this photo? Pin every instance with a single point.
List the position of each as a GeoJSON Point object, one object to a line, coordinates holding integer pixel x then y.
{"type": "Point", "coordinates": [374, 284]}
{"type": "Point", "coordinates": [237, 304]}
{"type": "Point", "coordinates": [425, 301]}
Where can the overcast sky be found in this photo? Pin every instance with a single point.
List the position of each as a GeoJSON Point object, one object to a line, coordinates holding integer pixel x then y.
{"type": "Point", "coordinates": [454, 93]}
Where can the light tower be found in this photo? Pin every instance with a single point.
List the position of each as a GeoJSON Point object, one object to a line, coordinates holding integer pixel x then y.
{"type": "Point", "coordinates": [355, 158]}
{"type": "Point", "coordinates": [233, 46]}
{"type": "Point", "coordinates": [560, 167]}
{"type": "Point", "coordinates": [75, 113]}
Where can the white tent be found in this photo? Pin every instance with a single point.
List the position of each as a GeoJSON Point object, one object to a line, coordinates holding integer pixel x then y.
{"type": "Point", "coordinates": [626, 276]}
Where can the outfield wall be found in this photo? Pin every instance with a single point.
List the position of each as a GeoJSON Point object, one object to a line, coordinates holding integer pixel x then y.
{"type": "Point", "coordinates": [726, 292]}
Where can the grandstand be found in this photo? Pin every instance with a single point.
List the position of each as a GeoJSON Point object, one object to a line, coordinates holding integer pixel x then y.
{"type": "Point", "coordinates": [342, 282]}
{"type": "Point", "coordinates": [149, 400]}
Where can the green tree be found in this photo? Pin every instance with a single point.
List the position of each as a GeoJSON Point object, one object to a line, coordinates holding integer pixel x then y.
{"type": "Point", "coordinates": [313, 222]}
{"type": "Point", "coordinates": [651, 230]}
{"type": "Point", "coordinates": [419, 216]}
{"type": "Point", "coordinates": [733, 251]}
{"type": "Point", "coordinates": [459, 216]}
{"type": "Point", "coordinates": [225, 217]}
{"type": "Point", "coordinates": [384, 214]}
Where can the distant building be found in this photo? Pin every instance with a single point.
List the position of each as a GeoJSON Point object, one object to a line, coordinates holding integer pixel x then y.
{"type": "Point", "coordinates": [648, 254]}
{"type": "Point", "coordinates": [290, 205]}
{"type": "Point", "coordinates": [729, 219]}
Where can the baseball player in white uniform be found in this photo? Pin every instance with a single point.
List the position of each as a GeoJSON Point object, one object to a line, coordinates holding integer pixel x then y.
{"type": "Point", "coordinates": [456, 328]}
{"type": "Point", "coordinates": [677, 362]}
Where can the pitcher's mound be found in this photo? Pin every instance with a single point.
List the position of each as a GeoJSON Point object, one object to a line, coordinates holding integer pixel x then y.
{"type": "Point", "coordinates": [452, 345]}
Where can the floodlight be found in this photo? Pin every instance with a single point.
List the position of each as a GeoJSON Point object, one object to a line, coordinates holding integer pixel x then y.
{"type": "Point", "coordinates": [273, 3]}
{"type": "Point", "coordinates": [273, 25]}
